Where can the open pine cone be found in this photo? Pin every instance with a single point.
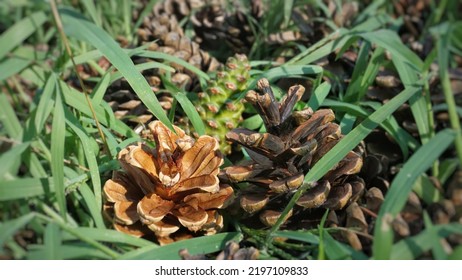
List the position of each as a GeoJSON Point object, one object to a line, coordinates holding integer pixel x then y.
{"type": "Point", "coordinates": [280, 157]}
{"type": "Point", "coordinates": [172, 190]}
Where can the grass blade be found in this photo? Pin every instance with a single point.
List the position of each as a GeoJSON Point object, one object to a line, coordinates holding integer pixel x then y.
{"type": "Point", "coordinates": [413, 247]}
{"type": "Point", "coordinates": [287, 71]}
{"type": "Point", "coordinates": [11, 159]}
{"type": "Point", "coordinates": [90, 156]}
{"type": "Point", "coordinates": [9, 119]}
{"type": "Point", "coordinates": [77, 100]}
{"type": "Point", "coordinates": [52, 242]}
{"type": "Point", "coordinates": [319, 95]}
{"type": "Point", "coordinates": [84, 30]}
{"type": "Point", "coordinates": [199, 245]}
{"type": "Point", "coordinates": [339, 251]}
{"type": "Point", "coordinates": [45, 104]}
{"type": "Point", "coordinates": [187, 106]}
{"type": "Point", "coordinates": [8, 228]}
{"type": "Point", "coordinates": [57, 151]}
{"type": "Point", "coordinates": [442, 38]}
{"type": "Point", "coordinates": [12, 66]}
{"type": "Point", "coordinates": [400, 188]}
{"type": "Point", "coordinates": [304, 236]}
{"type": "Point", "coordinates": [24, 188]}
{"type": "Point", "coordinates": [20, 31]}
{"type": "Point", "coordinates": [110, 236]}
{"type": "Point", "coordinates": [92, 204]}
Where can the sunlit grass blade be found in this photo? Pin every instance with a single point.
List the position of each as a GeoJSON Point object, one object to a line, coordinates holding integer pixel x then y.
{"type": "Point", "coordinates": [20, 31]}
{"type": "Point", "coordinates": [399, 190]}
{"type": "Point", "coordinates": [319, 95]}
{"type": "Point", "coordinates": [90, 156]}
{"type": "Point", "coordinates": [426, 190]}
{"type": "Point", "coordinates": [446, 169]}
{"type": "Point", "coordinates": [76, 26]}
{"type": "Point", "coordinates": [77, 100]}
{"type": "Point", "coordinates": [57, 151]}
{"type": "Point", "coordinates": [100, 88]}
{"type": "Point", "coordinates": [364, 74]}
{"type": "Point", "coordinates": [144, 66]}
{"type": "Point", "coordinates": [170, 58]}
{"type": "Point", "coordinates": [345, 145]}
{"type": "Point", "coordinates": [187, 106]}
{"type": "Point", "coordinates": [289, 70]}
{"type": "Point", "coordinates": [390, 125]}
{"type": "Point", "coordinates": [45, 105]}
{"type": "Point", "coordinates": [409, 66]}
{"type": "Point", "coordinates": [199, 245]}
{"type": "Point", "coordinates": [110, 236]}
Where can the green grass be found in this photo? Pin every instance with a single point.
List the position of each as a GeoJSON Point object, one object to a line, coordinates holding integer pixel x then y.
{"type": "Point", "coordinates": [55, 162]}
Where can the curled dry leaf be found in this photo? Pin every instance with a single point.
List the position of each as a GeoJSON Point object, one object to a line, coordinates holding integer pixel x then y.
{"type": "Point", "coordinates": [172, 190]}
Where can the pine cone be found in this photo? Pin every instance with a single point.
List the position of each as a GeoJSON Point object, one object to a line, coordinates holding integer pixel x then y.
{"type": "Point", "coordinates": [177, 8]}
{"type": "Point", "coordinates": [217, 106]}
{"type": "Point", "coordinates": [280, 158]}
{"type": "Point", "coordinates": [172, 190]}
{"type": "Point", "coordinates": [163, 34]}
{"type": "Point", "coordinates": [213, 25]}
{"type": "Point", "coordinates": [173, 41]}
